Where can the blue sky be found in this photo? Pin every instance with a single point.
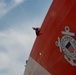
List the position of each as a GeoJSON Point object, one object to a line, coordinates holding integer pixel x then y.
{"type": "Point", "coordinates": [17, 17]}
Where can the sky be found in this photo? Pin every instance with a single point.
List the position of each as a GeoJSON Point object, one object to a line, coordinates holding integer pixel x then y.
{"type": "Point", "coordinates": [17, 17]}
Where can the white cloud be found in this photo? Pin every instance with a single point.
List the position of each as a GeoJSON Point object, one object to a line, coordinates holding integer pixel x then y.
{"type": "Point", "coordinates": [18, 1]}
{"type": "Point", "coordinates": [2, 8]}
{"type": "Point", "coordinates": [4, 60]}
{"type": "Point", "coordinates": [17, 45]}
{"type": "Point", "coordinates": [5, 7]}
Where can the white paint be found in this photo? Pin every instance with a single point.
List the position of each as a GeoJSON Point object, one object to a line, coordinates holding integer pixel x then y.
{"type": "Point", "coordinates": [62, 43]}
{"type": "Point", "coordinates": [67, 31]}
{"type": "Point", "coordinates": [33, 68]}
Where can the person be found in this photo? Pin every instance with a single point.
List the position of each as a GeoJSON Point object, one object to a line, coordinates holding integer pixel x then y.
{"type": "Point", "coordinates": [26, 61]}
{"type": "Point", "coordinates": [37, 30]}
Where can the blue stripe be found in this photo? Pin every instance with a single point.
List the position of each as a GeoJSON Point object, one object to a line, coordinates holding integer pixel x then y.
{"type": "Point", "coordinates": [68, 45]}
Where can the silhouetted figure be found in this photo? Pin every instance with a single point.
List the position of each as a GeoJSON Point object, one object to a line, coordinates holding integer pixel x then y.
{"type": "Point", "coordinates": [37, 30]}
{"type": "Point", "coordinates": [26, 61]}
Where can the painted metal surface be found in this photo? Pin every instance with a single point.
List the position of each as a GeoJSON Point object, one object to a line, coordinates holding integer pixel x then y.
{"type": "Point", "coordinates": [33, 68]}
{"type": "Point", "coordinates": [62, 13]}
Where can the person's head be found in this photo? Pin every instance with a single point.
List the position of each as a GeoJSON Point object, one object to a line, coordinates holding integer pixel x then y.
{"type": "Point", "coordinates": [34, 28]}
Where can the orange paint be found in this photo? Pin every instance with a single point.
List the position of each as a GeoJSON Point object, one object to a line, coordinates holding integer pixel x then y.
{"type": "Point", "coordinates": [62, 13]}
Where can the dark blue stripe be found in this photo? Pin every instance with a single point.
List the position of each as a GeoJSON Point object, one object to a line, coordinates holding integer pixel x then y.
{"type": "Point", "coordinates": [68, 45]}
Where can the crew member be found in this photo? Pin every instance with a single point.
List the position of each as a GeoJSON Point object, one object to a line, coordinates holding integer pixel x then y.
{"type": "Point", "coordinates": [37, 30]}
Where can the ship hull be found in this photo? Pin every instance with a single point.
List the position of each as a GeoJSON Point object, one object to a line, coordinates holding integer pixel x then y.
{"type": "Point", "coordinates": [54, 51]}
